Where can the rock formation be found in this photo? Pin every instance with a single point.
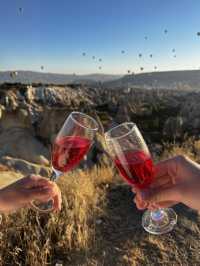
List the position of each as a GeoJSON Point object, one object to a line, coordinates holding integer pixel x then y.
{"type": "Point", "coordinates": [31, 116]}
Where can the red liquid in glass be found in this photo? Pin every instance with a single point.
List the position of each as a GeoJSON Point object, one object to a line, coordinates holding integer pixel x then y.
{"type": "Point", "coordinates": [68, 152]}
{"type": "Point", "coordinates": [136, 167]}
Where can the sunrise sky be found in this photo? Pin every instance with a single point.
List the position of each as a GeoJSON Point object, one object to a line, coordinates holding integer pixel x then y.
{"type": "Point", "coordinates": [55, 34]}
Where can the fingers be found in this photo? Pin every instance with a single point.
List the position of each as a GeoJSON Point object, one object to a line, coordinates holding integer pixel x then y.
{"type": "Point", "coordinates": [38, 193]}
{"type": "Point", "coordinates": [56, 197]}
{"type": "Point", "coordinates": [160, 195]}
{"type": "Point", "coordinates": [167, 167]}
{"type": "Point", "coordinates": [45, 193]}
{"type": "Point", "coordinates": [170, 184]}
{"type": "Point", "coordinates": [161, 182]}
{"type": "Point", "coordinates": [30, 188]}
{"type": "Point", "coordinates": [161, 169]}
{"type": "Point", "coordinates": [141, 205]}
{"type": "Point", "coordinates": [53, 192]}
{"type": "Point", "coordinates": [166, 204]}
{"type": "Point", "coordinates": [35, 181]}
{"type": "Point", "coordinates": [57, 202]}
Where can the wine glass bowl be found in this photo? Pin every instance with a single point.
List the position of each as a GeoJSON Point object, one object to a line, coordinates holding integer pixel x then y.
{"type": "Point", "coordinates": [132, 158]}
{"type": "Point", "coordinates": [73, 141]}
{"type": "Point", "coordinates": [130, 154]}
{"type": "Point", "coordinates": [71, 144]}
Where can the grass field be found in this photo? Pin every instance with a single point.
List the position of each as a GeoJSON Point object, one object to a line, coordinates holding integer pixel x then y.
{"type": "Point", "coordinates": [99, 225]}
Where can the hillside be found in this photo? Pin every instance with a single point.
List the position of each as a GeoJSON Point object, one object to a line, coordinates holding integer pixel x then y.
{"type": "Point", "coordinates": [29, 77]}
{"type": "Point", "coordinates": [188, 79]}
{"type": "Point", "coordinates": [170, 79]}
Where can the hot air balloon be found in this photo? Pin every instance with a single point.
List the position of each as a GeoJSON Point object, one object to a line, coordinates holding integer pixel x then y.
{"type": "Point", "coordinates": [128, 71]}
{"type": "Point", "coordinates": [42, 67]}
{"type": "Point", "coordinates": [165, 31]}
{"type": "Point", "coordinates": [100, 68]}
{"type": "Point", "coordinates": [151, 55]}
{"type": "Point", "coordinates": [13, 74]}
{"type": "Point", "coordinates": [173, 50]}
{"type": "Point", "coordinates": [198, 33]}
{"type": "Point", "coordinates": [100, 60]}
{"type": "Point", "coordinates": [145, 38]}
{"type": "Point", "coordinates": [20, 10]}
{"type": "Point", "coordinates": [141, 69]}
{"type": "Point", "coordinates": [155, 67]}
{"type": "Point", "coordinates": [83, 54]}
{"type": "Point", "coordinates": [140, 55]}
{"type": "Point", "coordinates": [93, 57]}
{"type": "Point", "coordinates": [122, 51]}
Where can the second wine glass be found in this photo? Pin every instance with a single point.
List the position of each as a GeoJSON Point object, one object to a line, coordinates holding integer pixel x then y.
{"type": "Point", "coordinates": [72, 143]}
{"type": "Point", "coordinates": [133, 160]}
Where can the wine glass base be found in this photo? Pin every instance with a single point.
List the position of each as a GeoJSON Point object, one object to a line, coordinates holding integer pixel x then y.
{"type": "Point", "coordinates": [160, 226]}
{"type": "Point", "coordinates": [45, 207]}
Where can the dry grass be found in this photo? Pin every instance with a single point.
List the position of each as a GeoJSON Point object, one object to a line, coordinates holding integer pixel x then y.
{"type": "Point", "coordinates": [189, 147]}
{"type": "Point", "coordinates": [33, 239]}
{"type": "Point", "coordinates": [99, 226]}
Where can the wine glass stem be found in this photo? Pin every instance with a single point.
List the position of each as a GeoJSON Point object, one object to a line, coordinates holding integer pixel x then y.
{"type": "Point", "coordinates": [157, 215]}
{"type": "Point", "coordinates": [53, 176]}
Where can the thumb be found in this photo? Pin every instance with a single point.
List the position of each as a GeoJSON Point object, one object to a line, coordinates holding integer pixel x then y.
{"type": "Point", "coordinates": [163, 194]}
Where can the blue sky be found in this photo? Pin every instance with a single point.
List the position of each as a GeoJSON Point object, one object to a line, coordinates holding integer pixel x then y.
{"type": "Point", "coordinates": [56, 33]}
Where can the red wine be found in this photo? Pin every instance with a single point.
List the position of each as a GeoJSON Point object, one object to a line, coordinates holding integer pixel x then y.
{"type": "Point", "coordinates": [136, 167]}
{"type": "Point", "coordinates": [68, 152]}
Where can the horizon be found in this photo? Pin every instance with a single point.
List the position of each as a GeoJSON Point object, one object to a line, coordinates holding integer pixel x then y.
{"type": "Point", "coordinates": [90, 74]}
{"type": "Point", "coordinates": [100, 37]}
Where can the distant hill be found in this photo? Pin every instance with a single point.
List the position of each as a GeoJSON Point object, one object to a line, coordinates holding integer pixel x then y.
{"type": "Point", "coordinates": [168, 79]}
{"type": "Point", "coordinates": [51, 78]}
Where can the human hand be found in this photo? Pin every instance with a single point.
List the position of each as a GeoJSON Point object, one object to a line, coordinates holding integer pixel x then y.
{"type": "Point", "coordinates": [176, 180]}
{"type": "Point", "coordinates": [27, 189]}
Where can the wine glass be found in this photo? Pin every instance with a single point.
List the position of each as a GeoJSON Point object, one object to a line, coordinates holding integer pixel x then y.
{"type": "Point", "coordinates": [133, 160]}
{"type": "Point", "coordinates": [70, 146]}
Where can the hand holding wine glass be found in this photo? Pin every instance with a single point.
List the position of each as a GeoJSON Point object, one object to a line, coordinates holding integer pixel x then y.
{"type": "Point", "coordinates": [133, 160]}
{"type": "Point", "coordinates": [176, 180]}
{"type": "Point", "coordinates": [72, 143]}
{"type": "Point", "coordinates": [20, 193]}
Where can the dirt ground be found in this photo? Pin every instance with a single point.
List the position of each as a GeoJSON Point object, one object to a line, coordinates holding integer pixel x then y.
{"type": "Point", "coordinates": [123, 242]}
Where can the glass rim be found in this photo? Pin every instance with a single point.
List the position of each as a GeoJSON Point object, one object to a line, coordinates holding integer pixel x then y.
{"type": "Point", "coordinates": [107, 137]}
{"type": "Point", "coordinates": [88, 116]}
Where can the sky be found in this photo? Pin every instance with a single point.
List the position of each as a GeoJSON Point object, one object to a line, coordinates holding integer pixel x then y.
{"type": "Point", "coordinates": [55, 34]}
